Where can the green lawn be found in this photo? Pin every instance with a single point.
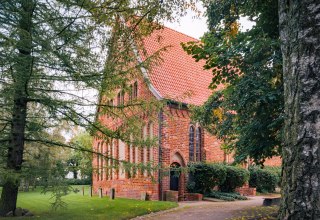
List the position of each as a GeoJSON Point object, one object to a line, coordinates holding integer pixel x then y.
{"type": "Point", "coordinates": [84, 207]}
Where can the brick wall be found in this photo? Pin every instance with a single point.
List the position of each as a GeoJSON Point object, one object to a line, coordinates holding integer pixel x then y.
{"type": "Point", "coordinates": [274, 162]}
{"type": "Point", "coordinates": [175, 144]}
{"type": "Point", "coordinates": [124, 186]}
{"type": "Point", "coordinates": [193, 197]}
{"type": "Point", "coordinates": [129, 188]}
{"type": "Point", "coordinates": [175, 149]}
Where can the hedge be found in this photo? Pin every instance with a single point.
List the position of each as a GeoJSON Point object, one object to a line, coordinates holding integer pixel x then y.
{"type": "Point", "coordinates": [265, 180]}
{"type": "Point", "coordinates": [226, 196]}
{"type": "Point", "coordinates": [236, 177]}
{"type": "Point", "coordinates": [78, 181]}
{"type": "Point", "coordinates": [204, 177]}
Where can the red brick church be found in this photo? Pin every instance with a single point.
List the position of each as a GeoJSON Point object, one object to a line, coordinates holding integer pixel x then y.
{"type": "Point", "coordinates": [180, 81]}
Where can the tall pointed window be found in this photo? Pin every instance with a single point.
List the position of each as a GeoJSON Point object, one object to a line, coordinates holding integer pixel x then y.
{"type": "Point", "coordinates": [122, 97]}
{"type": "Point", "coordinates": [198, 144]}
{"type": "Point", "coordinates": [98, 161]}
{"type": "Point", "coordinates": [135, 90]}
{"type": "Point", "coordinates": [191, 143]}
{"type": "Point", "coordinates": [130, 93]}
{"type": "Point", "coordinates": [119, 98]}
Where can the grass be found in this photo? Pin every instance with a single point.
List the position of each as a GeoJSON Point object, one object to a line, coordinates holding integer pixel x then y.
{"type": "Point", "coordinates": [84, 207]}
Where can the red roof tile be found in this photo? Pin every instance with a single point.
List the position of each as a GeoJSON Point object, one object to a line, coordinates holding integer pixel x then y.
{"type": "Point", "coordinates": [178, 77]}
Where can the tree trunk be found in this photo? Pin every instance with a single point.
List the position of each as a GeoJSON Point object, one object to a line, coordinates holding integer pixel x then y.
{"type": "Point", "coordinates": [75, 174]}
{"type": "Point", "coordinates": [21, 73]}
{"type": "Point", "coordinates": [300, 37]}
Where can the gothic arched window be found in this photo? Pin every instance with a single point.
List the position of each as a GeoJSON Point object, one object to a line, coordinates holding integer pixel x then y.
{"type": "Point", "coordinates": [191, 143]}
{"type": "Point", "coordinates": [198, 144]}
{"type": "Point", "coordinates": [135, 90]}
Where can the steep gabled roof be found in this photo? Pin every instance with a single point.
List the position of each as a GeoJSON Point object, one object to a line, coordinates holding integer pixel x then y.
{"type": "Point", "coordinates": [178, 77]}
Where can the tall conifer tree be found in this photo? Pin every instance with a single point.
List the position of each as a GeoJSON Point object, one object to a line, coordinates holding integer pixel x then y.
{"type": "Point", "coordinates": [51, 54]}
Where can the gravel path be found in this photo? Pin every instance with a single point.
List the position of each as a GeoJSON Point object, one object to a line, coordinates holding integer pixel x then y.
{"type": "Point", "coordinates": [204, 210]}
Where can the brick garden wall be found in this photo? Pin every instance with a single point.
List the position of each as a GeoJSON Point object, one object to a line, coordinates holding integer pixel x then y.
{"type": "Point", "coordinates": [274, 161]}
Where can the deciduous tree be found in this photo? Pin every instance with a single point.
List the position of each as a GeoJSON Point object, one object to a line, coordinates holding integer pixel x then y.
{"type": "Point", "coordinates": [247, 112]}
{"type": "Point", "coordinates": [300, 44]}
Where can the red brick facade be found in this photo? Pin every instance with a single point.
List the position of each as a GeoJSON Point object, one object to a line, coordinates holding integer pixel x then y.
{"type": "Point", "coordinates": [174, 147]}
{"type": "Point", "coordinates": [172, 129]}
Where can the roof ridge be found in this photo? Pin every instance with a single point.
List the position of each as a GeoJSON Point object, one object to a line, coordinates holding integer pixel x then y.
{"type": "Point", "coordinates": [181, 33]}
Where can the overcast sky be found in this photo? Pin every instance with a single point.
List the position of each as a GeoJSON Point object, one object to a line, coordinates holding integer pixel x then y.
{"type": "Point", "coordinates": [196, 27]}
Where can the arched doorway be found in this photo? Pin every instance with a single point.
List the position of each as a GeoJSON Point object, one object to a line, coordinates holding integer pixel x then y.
{"type": "Point", "coordinates": [175, 176]}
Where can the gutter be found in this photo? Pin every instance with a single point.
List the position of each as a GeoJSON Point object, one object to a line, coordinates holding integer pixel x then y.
{"type": "Point", "coordinates": [176, 104]}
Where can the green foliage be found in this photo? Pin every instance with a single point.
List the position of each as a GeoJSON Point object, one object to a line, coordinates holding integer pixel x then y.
{"type": "Point", "coordinates": [81, 160]}
{"type": "Point", "coordinates": [265, 180]}
{"type": "Point", "coordinates": [86, 181]}
{"type": "Point", "coordinates": [226, 196]}
{"type": "Point", "coordinates": [249, 64]}
{"type": "Point", "coordinates": [276, 171]}
{"type": "Point", "coordinates": [236, 177]}
{"type": "Point", "coordinates": [203, 177]}
{"type": "Point", "coordinates": [54, 59]}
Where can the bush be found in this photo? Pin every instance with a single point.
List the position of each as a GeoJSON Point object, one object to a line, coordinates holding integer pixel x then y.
{"type": "Point", "coordinates": [226, 196]}
{"type": "Point", "coordinates": [277, 172]}
{"type": "Point", "coordinates": [203, 177]}
{"type": "Point", "coordinates": [236, 177]}
{"type": "Point", "coordinates": [265, 180]}
{"type": "Point", "coordinates": [78, 181]}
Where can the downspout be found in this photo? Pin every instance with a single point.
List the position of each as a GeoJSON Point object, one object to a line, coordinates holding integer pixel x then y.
{"type": "Point", "coordinates": [160, 120]}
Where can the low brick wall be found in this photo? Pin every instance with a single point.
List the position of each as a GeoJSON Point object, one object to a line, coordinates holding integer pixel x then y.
{"type": "Point", "coordinates": [246, 191]}
{"type": "Point", "coordinates": [128, 188]}
{"type": "Point", "coordinates": [193, 197]}
{"type": "Point", "coordinates": [171, 196]}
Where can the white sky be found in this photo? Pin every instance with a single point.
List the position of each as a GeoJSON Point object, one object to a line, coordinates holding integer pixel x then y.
{"type": "Point", "coordinates": [196, 27]}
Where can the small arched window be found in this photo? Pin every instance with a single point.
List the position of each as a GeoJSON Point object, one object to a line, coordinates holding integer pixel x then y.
{"type": "Point", "coordinates": [135, 90]}
{"type": "Point", "coordinates": [198, 144]}
{"type": "Point", "coordinates": [98, 161]}
{"type": "Point", "coordinates": [191, 143]}
{"type": "Point", "coordinates": [151, 138]}
{"type": "Point", "coordinates": [119, 98]}
{"type": "Point", "coordinates": [130, 93]}
{"type": "Point", "coordinates": [122, 97]}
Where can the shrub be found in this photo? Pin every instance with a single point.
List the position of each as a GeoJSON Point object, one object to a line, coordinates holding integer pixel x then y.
{"type": "Point", "coordinates": [226, 196]}
{"type": "Point", "coordinates": [265, 180]}
{"type": "Point", "coordinates": [78, 181]}
{"type": "Point", "coordinates": [277, 172]}
{"type": "Point", "coordinates": [236, 177]}
{"type": "Point", "coordinates": [203, 177]}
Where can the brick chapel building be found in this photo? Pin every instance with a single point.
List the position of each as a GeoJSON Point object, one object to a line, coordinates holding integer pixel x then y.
{"type": "Point", "coordinates": [180, 81]}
